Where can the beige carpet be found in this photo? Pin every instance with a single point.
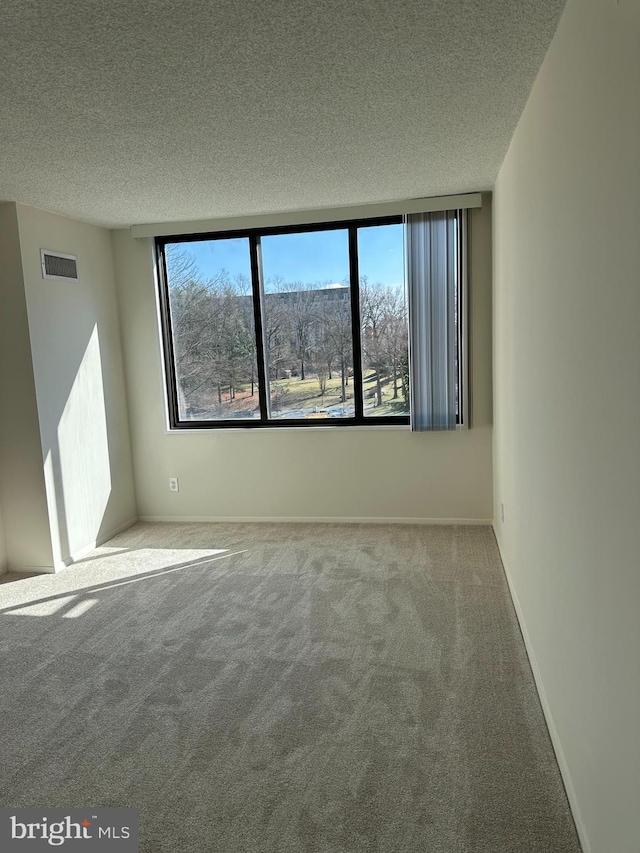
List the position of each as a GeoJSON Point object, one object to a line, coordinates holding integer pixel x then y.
{"type": "Point", "coordinates": [282, 688]}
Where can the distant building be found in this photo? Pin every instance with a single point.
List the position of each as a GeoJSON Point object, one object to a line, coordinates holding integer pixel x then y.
{"type": "Point", "coordinates": [329, 293]}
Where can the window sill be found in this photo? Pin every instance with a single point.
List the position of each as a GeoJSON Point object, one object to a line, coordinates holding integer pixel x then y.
{"type": "Point", "coordinates": [284, 430]}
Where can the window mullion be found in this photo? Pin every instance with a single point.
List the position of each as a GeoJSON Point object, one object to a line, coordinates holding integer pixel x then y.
{"type": "Point", "coordinates": [256, 285]}
{"type": "Point", "coordinates": [171, 376]}
{"type": "Point", "coordinates": [354, 277]}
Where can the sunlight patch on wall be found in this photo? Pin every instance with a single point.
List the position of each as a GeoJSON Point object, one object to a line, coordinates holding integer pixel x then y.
{"type": "Point", "coordinates": [52, 507]}
{"type": "Point", "coordinates": [84, 451]}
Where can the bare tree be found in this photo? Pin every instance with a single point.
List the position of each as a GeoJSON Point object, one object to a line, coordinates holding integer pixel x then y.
{"type": "Point", "coordinates": [373, 309]}
{"type": "Point", "coordinates": [304, 318]}
{"type": "Point", "coordinates": [280, 395]}
{"type": "Point", "coordinates": [340, 340]}
{"type": "Point", "coordinates": [323, 375]}
{"type": "Point", "coordinates": [213, 337]}
{"type": "Point", "coordinates": [277, 327]}
{"type": "Point", "coordinates": [396, 341]}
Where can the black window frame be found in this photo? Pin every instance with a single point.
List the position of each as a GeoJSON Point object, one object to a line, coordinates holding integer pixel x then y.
{"type": "Point", "coordinates": [254, 234]}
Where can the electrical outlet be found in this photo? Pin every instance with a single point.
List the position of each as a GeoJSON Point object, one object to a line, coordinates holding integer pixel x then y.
{"type": "Point", "coordinates": [501, 512]}
{"type": "Point", "coordinates": [173, 484]}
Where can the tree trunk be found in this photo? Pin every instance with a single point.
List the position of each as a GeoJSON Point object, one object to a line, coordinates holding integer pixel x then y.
{"type": "Point", "coordinates": [378, 388]}
{"type": "Point", "coordinates": [343, 396]}
{"type": "Point", "coordinates": [302, 370]}
{"type": "Point", "coordinates": [395, 382]}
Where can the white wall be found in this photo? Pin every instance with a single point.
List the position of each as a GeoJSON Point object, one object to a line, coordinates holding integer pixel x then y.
{"type": "Point", "coordinates": [27, 541]}
{"type": "Point", "coordinates": [3, 550]}
{"type": "Point", "coordinates": [317, 474]}
{"type": "Point", "coordinates": [79, 382]}
{"type": "Point", "coordinates": [567, 404]}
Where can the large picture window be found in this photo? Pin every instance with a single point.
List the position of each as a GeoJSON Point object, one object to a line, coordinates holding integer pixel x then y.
{"type": "Point", "coordinates": [298, 326]}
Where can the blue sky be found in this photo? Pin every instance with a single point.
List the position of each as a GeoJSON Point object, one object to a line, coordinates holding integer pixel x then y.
{"type": "Point", "coordinates": [308, 257]}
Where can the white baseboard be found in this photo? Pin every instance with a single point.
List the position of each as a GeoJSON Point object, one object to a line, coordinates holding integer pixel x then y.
{"type": "Point", "coordinates": [76, 555]}
{"type": "Point", "coordinates": [40, 570]}
{"type": "Point", "coordinates": [546, 708]}
{"type": "Point", "coordinates": [86, 549]}
{"type": "Point", "coordinates": [316, 519]}
{"type": "Point", "coordinates": [124, 526]}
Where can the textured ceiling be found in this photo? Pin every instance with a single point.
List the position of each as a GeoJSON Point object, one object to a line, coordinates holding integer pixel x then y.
{"type": "Point", "coordinates": [131, 111]}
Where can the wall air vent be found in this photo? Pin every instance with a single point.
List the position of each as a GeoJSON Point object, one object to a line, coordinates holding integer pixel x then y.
{"type": "Point", "coordinates": [58, 265]}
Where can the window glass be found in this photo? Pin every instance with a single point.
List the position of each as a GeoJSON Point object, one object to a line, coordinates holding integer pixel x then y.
{"type": "Point", "coordinates": [307, 325]}
{"type": "Point", "coordinates": [384, 321]}
{"type": "Point", "coordinates": [212, 321]}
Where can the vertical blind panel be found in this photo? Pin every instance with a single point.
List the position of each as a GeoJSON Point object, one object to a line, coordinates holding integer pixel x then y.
{"type": "Point", "coordinates": [432, 278]}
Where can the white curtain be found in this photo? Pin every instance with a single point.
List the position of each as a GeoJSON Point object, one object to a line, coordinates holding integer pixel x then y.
{"type": "Point", "coordinates": [434, 255]}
